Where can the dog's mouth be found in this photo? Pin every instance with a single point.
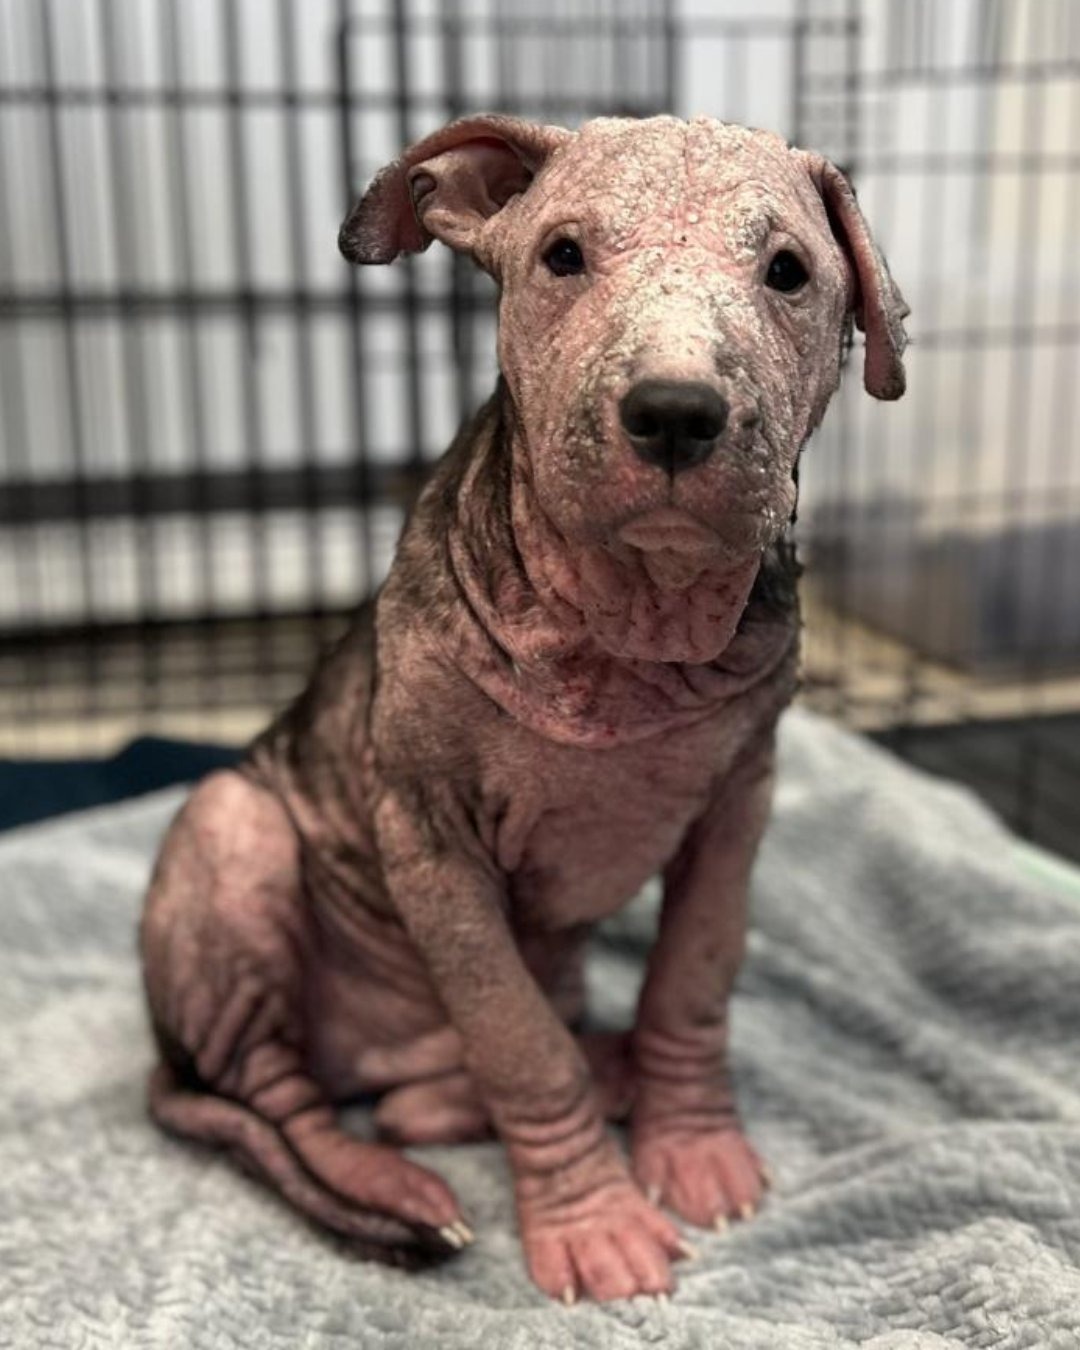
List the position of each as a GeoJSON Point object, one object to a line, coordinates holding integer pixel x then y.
{"type": "Point", "coordinates": [670, 527]}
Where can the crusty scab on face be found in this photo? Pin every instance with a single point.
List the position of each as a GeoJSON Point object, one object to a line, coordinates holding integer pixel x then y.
{"type": "Point", "coordinates": [672, 228]}
{"type": "Point", "coordinates": [677, 222]}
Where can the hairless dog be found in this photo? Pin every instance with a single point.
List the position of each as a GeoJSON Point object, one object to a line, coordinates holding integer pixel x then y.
{"type": "Point", "coordinates": [568, 683]}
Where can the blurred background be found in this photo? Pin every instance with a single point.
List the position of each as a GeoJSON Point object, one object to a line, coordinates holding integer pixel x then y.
{"type": "Point", "coordinates": [210, 426]}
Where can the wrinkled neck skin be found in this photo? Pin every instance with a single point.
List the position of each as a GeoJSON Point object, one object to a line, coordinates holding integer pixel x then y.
{"type": "Point", "coordinates": [582, 643]}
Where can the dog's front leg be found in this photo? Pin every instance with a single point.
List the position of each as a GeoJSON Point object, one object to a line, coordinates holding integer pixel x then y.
{"type": "Point", "coordinates": [688, 1147]}
{"type": "Point", "coordinates": [585, 1226]}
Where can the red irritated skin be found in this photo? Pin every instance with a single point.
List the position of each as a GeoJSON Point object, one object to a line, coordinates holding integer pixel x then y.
{"type": "Point", "coordinates": [569, 683]}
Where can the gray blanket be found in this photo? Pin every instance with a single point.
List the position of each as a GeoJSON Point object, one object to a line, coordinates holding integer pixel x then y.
{"type": "Point", "coordinates": [906, 1038]}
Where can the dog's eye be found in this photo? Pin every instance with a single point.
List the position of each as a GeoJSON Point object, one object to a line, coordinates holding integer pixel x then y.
{"type": "Point", "coordinates": [565, 258]}
{"type": "Point", "coordinates": [786, 273]}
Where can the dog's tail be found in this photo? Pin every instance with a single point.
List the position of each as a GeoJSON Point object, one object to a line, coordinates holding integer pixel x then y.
{"type": "Point", "coordinates": [367, 1193]}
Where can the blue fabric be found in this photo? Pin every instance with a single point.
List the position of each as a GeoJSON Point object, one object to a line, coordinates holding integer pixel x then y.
{"type": "Point", "coordinates": [36, 789]}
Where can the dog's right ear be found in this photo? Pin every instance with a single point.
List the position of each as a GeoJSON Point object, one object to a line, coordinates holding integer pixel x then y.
{"type": "Point", "coordinates": [447, 187]}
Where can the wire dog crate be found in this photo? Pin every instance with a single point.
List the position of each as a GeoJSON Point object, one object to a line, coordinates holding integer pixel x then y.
{"type": "Point", "coordinates": [942, 534]}
{"type": "Point", "coordinates": [210, 427]}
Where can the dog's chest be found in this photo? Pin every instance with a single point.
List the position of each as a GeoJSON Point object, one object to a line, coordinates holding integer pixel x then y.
{"type": "Point", "coordinates": [584, 830]}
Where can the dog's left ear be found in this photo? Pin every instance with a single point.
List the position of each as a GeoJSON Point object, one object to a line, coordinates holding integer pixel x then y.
{"type": "Point", "coordinates": [880, 309]}
{"type": "Point", "coordinates": [447, 187]}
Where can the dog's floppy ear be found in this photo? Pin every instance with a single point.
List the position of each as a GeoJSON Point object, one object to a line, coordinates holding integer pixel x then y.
{"type": "Point", "coordinates": [446, 187]}
{"type": "Point", "coordinates": [880, 309]}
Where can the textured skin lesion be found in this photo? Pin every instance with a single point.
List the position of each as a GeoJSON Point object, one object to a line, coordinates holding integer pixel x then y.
{"type": "Point", "coordinates": [569, 682]}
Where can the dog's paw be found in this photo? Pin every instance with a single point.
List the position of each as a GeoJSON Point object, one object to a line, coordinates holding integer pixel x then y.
{"type": "Point", "coordinates": [613, 1244]}
{"type": "Point", "coordinates": [707, 1177]}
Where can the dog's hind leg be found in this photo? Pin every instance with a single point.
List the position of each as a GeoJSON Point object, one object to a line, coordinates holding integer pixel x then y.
{"type": "Point", "coordinates": [224, 946]}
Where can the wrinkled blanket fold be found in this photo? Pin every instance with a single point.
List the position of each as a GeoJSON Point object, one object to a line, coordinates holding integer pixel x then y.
{"type": "Point", "coordinates": [906, 1041]}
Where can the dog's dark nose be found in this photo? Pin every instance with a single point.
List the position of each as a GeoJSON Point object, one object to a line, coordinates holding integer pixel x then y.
{"type": "Point", "coordinates": [673, 423]}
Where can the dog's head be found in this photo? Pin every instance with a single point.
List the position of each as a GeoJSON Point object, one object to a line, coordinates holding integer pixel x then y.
{"type": "Point", "coordinates": [674, 301]}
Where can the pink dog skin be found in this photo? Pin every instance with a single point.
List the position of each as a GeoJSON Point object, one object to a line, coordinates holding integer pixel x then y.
{"type": "Point", "coordinates": [569, 683]}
